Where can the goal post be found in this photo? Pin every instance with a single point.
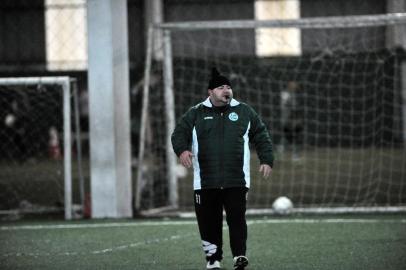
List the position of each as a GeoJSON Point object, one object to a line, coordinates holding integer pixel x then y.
{"type": "Point", "coordinates": [30, 87]}
{"type": "Point", "coordinates": [346, 83]}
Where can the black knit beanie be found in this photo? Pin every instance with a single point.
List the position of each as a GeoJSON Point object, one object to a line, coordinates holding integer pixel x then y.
{"type": "Point", "coordinates": [217, 80]}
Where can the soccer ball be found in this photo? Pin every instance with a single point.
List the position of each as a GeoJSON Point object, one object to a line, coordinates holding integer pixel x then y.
{"type": "Point", "coordinates": [282, 205]}
{"type": "Point", "coordinates": [9, 120]}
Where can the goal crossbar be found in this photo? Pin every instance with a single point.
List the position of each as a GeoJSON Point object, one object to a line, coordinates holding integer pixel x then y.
{"type": "Point", "coordinates": [313, 23]}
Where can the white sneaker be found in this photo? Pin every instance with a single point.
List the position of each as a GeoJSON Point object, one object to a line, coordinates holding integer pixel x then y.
{"type": "Point", "coordinates": [240, 262]}
{"type": "Point", "coordinates": [213, 265]}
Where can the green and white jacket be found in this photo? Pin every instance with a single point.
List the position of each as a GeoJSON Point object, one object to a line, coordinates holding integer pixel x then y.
{"type": "Point", "coordinates": [219, 140]}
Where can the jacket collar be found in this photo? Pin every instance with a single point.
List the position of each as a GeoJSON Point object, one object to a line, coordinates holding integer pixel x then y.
{"type": "Point", "coordinates": [207, 103]}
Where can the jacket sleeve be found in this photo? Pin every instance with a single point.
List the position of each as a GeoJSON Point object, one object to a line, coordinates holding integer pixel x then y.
{"type": "Point", "coordinates": [261, 139]}
{"type": "Point", "coordinates": [182, 135]}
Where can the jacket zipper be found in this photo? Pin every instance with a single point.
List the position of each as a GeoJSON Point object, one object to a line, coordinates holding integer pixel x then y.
{"type": "Point", "coordinates": [222, 151]}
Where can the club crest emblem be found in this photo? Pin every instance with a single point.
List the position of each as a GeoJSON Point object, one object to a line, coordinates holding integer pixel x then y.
{"type": "Point", "coordinates": [233, 116]}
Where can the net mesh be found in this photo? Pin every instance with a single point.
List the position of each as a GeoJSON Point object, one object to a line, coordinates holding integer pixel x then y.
{"type": "Point", "coordinates": [31, 147]}
{"type": "Point", "coordinates": [334, 112]}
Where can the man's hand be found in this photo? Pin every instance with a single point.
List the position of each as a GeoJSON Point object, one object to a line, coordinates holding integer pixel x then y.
{"type": "Point", "coordinates": [186, 158]}
{"type": "Point", "coordinates": [265, 169]}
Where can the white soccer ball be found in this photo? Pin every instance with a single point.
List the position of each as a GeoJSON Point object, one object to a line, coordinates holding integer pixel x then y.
{"type": "Point", "coordinates": [282, 205]}
{"type": "Point", "coordinates": [9, 120]}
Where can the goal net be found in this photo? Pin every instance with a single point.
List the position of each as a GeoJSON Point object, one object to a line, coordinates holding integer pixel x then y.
{"type": "Point", "coordinates": [38, 118]}
{"type": "Point", "coordinates": [330, 90]}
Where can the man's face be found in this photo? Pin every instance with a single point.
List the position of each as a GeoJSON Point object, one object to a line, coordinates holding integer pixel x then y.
{"type": "Point", "coordinates": [221, 95]}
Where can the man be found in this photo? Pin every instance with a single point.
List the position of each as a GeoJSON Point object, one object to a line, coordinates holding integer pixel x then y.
{"type": "Point", "coordinates": [291, 119]}
{"type": "Point", "coordinates": [214, 136]}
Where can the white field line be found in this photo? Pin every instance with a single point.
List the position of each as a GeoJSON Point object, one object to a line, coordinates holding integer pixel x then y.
{"type": "Point", "coordinates": [147, 242]}
{"type": "Point", "coordinates": [193, 222]}
{"type": "Point", "coordinates": [327, 220]}
{"type": "Point", "coordinates": [98, 225]}
{"type": "Point", "coordinates": [101, 251]}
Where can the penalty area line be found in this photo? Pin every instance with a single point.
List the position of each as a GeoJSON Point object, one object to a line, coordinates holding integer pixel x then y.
{"type": "Point", "coordinates": [98, 225]}
{"type": "Point", "coordinates": [326, 220]}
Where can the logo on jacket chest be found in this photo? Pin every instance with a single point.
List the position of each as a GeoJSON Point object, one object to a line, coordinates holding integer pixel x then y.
{"type": "Point", "coordinates": [233, 116]}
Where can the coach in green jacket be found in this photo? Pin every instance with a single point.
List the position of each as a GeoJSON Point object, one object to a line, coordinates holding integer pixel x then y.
{"type": "Point", "coordinates": [214, 137]}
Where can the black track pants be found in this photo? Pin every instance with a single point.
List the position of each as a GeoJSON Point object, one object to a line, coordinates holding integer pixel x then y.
{"type": "Point", "coordinates": [209, 204]}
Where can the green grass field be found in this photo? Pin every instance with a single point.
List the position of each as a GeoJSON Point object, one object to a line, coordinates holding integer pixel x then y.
{"type": "Point", "coordinates": [326, 177]}
{"type": "Point", "coordinates": [295, 242]}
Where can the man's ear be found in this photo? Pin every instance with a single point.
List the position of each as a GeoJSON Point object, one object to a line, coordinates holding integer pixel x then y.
{"type": "Point", "coordinates": [209, 91]}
